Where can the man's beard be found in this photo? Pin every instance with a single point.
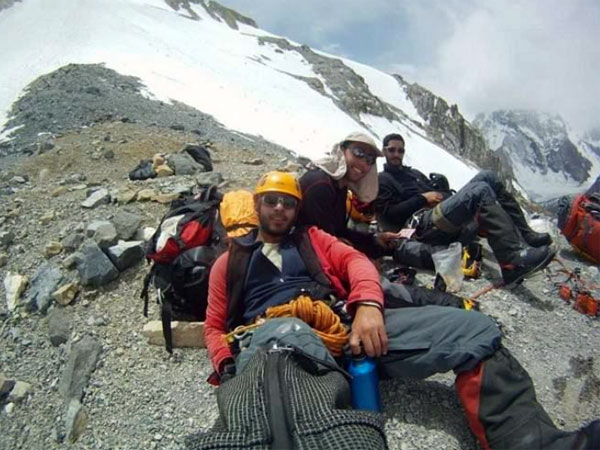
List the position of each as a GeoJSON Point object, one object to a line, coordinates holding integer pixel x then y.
{"type": "Point", "coordinates": [265, 228]}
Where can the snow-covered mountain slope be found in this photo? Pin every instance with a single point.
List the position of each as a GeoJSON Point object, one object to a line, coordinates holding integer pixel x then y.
{"type": "Point", "coordinates": [216, 61]}
{"type": "Point", "coordinates": [547, 158]}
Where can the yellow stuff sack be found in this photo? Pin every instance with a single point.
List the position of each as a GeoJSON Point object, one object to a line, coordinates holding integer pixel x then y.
{"type": "Point", "coordinates": [237, 213]}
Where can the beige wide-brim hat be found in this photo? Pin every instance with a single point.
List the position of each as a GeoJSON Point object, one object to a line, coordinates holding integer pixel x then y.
{"type": "Point", "coordinates": [335, 166]}
{"type": "Point", "coordinates": [358, 136]}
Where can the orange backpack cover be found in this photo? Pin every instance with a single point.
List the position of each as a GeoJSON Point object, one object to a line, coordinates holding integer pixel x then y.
{"type": "Point", "coordinates": [582, 226]}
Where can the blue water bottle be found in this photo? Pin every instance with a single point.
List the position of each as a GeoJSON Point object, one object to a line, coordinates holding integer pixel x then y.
{"type": "Point", "coordinates": [365, 383]}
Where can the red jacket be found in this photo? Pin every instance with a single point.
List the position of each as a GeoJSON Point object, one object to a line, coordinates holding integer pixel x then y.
{"type": "Point", "coordinates": [351, 273]}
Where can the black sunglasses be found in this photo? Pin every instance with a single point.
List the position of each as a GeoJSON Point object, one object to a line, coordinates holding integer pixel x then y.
{"type": "Point", "coordinates": [398, 150]}
{"type": "Point", "coordinates": [273, 200]}
{"type": "Point", "coordinates": [369, 157]}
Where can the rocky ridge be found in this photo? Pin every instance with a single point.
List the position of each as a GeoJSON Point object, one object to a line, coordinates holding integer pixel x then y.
{"type": "Point", "coordinates": [88, 377]}
{"type": "Point", "coordinates": [446, 126]}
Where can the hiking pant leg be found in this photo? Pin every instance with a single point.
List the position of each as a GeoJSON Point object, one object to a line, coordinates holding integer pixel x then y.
{"type": "Point", "coordinates": [502, 409]}
{"type": "Point", "coordinates": [460, 209]}
{"type": "Point", "coordinates": [431, 339]}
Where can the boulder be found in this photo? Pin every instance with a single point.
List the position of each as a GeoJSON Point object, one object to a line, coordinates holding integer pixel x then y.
{"type": "Point", "coordinates": [126, 254]}
{"type": "Point", "coordinates": [124, 197]}
{"type": "Point", "coordinates": [52, 248]}
{"type": "Point", "coordinates": [145, 195]}
{"type": "Point", "coordinates": [102, 232]}
{"type": "Point", "coordinates": [3, 259]}
{"type": "Point", "coordinates": [14, 285]}
{"type": "Point", "coordinates": [185, 334]}
{"type": "Point", "coordinates": [72, 241]}
{"type": "Point", "coordinates": [82, 362]}
{"type": "Point", "coordinates": [99, 197]}
{"type": "Point", "coordinates": [94, 267]}
{"type": "Point", "coordinates": [65, 294]}
{"type": "Point", "coordinates": [164, 199]}
{"type": "Point", "coordinates": [59, 326]}
{"type": "Point", "coordinates": [45, 281]}
{"type": "Point", "coordinates": [126, 224]}
{"type": "Point", "coordinates": [19, 391]}
{"type": "Point", "coordinates": [76, 420]}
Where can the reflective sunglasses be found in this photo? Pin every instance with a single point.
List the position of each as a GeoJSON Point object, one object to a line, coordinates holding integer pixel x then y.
{"type": "Point", "coordinates": [286, 201]}
{"type": "Point", "coordinates": [398, 150]}
{"type": "Point", "coordinates": [369, 157]}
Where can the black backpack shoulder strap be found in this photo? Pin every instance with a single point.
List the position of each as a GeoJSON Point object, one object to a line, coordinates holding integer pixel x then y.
{"type": "Point", "coordinates": [237, 266]}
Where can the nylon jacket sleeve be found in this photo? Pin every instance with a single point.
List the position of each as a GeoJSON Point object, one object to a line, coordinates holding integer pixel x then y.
{"type": "Point", "coordinates": [342, 263]}
{"type": "Point", "coordinates": [393, 207]}
{"type": "Point", "coordinates": [215, 325]}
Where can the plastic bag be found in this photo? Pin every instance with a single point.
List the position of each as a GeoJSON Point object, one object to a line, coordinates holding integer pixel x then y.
{"type": "Point", "coordinates": [448, 263]}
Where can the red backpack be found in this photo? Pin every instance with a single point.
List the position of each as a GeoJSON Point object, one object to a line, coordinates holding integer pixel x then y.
{"type": "Point", "coordinates": [182, 251]}
{"type": "Point", "coordinates": [581, 226]}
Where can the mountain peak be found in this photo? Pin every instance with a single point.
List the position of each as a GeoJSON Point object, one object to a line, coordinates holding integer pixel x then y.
{"type": "Point", "coordinates": [215, 10]}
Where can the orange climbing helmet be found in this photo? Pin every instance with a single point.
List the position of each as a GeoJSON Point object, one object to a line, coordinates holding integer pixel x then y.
{"type": "Point", "coordinates": [283, 182]}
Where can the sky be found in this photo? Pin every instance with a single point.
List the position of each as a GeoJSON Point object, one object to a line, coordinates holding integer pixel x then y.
{"type": "Point", "coordinates": [482, 55]}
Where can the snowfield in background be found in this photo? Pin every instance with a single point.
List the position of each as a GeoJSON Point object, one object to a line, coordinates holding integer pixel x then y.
{"type": "Point", "coordinates": [205, 64]}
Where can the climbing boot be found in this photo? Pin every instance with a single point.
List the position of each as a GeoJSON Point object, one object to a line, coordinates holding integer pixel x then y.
{"type": "Point", "coordinates": [512, 207]}
{"type": "Point", "coordinates": [516, 258]}
{"type": "Point", "coordinates": [526, 262]}
{"type": "Point", "coordinates": [503, 412]}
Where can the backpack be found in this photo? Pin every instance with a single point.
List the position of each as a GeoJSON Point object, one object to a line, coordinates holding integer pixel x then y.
{"type": "Point", "coordinates": [581, 226]}
{"type": "Point", "coordinates": [182, 251]}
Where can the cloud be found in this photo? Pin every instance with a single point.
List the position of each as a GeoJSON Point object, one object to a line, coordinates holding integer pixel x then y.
{"type": "Point", "coordinates": [482, 55]}
{"type": "Point", "coordinates": [536, 54]}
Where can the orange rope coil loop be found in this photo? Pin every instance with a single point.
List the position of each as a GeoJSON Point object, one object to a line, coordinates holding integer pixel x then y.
{"type": "Point", "coordinates": [319, 316]}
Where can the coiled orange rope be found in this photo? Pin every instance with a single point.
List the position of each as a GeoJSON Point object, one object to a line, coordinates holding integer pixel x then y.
{"type": "Point", "coordinates": [317, 315]}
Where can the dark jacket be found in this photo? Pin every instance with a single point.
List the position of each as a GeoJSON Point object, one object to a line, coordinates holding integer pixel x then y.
{"type": "Point", "coordinates": [399, 196]}
{"type": "Point", "coordinates": [324, 206]}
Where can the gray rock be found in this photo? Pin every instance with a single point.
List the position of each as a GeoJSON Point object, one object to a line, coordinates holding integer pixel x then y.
{"type": "Point", "coordinates": [94, 267]}
{"type": "Point", "coordinates": [209, 178]}
{"type": "Point", "coordinates": [3, 259]}
{"type": "Point", "coordinates": [126, 224]}
{"type": "Point", "coordinates": [45, 281]}
{"type": "Point", "coordinates": [71, 261]}
{"type": "Point", "coordinates": [19, 391]}
{"type": "Point", "coordinates": [183, 164]}
{"type": "Point", "coordinates": [82, 362]}
{"type": "Point", "coordinates": [103, 233]}
{"type": "Point", "coordinates": [6, 238]}
{"type": "Point", "coordinates": [71, 242]}
{"type": "Point", "coordinates": [75, 420]}
{"type": "Point", "coordinates": [126, 254]}
{"type": "Point", "coordinates": [59, 326]}
{"type": "Point", "coordinates": [99, 197]}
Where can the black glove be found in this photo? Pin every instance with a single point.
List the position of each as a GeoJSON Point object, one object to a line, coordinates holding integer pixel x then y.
{"type": "Point", "coordinates": [227, 370]}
